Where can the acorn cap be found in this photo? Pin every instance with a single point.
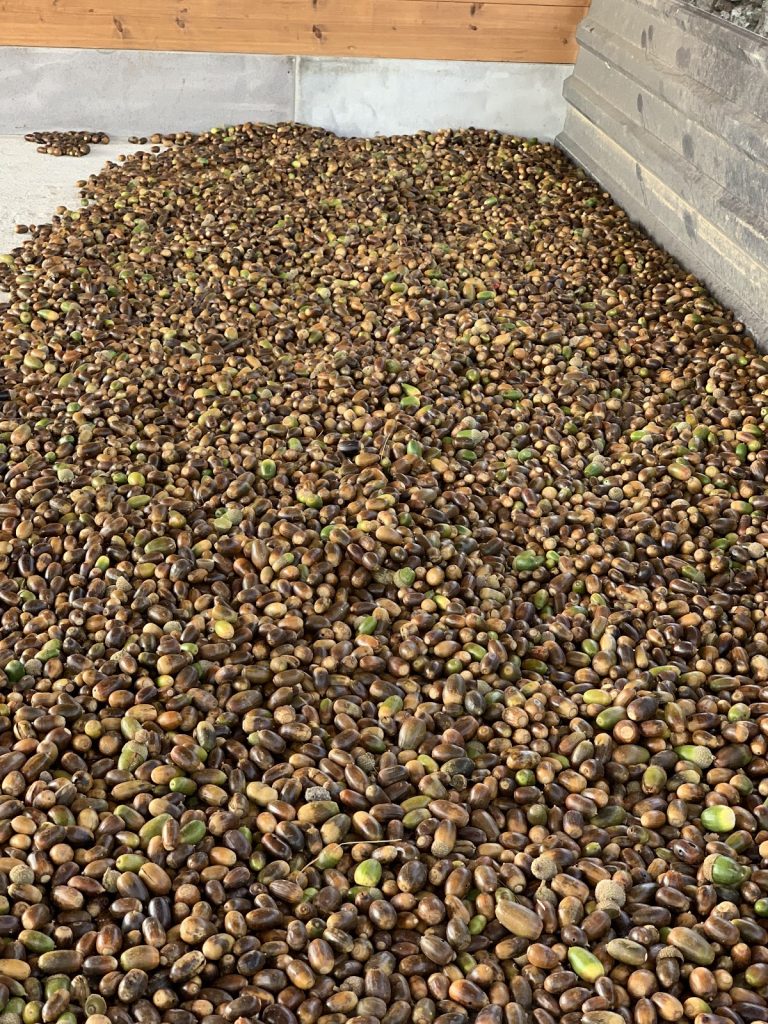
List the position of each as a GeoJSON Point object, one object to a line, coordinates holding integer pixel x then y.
{"type": "Point", "coordinates": [608, 891]}
{"type": "Point", "coordinates": [547, 894]}
{"type": "Point", "coordinates": [669, 951]}
{"type": "Point", "coordinates": [705, 871]}
{"type": "Point", "coordinates": [315, 793]}
{"type": "Point", "coordinates": [544, 868]}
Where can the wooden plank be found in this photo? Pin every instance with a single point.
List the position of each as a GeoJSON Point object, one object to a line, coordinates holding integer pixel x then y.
{"type": "Point", "coordinates": [524, 3]}
{"type": "Point", "coordinates": [427, 29]}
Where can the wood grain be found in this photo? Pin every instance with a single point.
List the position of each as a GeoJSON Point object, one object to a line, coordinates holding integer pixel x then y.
{"type": "Point", "coordinates": [494, 30]}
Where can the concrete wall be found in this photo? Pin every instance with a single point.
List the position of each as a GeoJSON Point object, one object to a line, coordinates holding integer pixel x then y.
{"type": "Point", "coordinates": [668, 110]}
{"type": "Point", "coordinates": [136, 92]}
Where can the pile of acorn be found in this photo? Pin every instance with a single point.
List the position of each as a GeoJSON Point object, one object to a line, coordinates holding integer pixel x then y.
{"type": "Point", "coordinates": [67, 143]}
{"type": "Point", "coordinates": [383, 599]}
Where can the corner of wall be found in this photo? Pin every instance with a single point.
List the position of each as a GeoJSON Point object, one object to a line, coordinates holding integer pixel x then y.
{"type": "Point", "coordinates": [296, 86]}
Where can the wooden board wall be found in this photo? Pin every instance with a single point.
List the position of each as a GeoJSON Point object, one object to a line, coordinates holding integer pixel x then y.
{"type": "Point", "coordinates": [495, 30]}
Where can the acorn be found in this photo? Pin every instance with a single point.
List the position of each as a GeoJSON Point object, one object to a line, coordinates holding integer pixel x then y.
{"type": "Point", "coordinates": [349, 447]}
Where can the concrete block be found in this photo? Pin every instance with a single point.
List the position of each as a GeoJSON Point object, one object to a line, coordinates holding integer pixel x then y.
{"type": "Point", "coordinates": [128, 92]}
{"type": "Point", "coordinates": [751, 14]}
{"type": "Point", "coordinates": [688, 42]}
{"type": "Point", "coordinates": [690, 141]}
{"type": "Point", "coordinates": [685, 176]}
{"type": "Point", "coordinates": [701, 247]}
{"type": "Point", "coordinates": [668, 110]}
{"type": "Point", "coordinates": [672, 106]}
{"type": "Point", "coordinates": [365, 97]}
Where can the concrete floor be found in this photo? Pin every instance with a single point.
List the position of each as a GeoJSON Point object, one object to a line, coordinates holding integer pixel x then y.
{"type": "Point", "coordinates": [33, 184]}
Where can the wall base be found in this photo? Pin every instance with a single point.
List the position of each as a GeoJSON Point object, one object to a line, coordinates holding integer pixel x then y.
{"type": "Point", "coordinates": [138, 92]}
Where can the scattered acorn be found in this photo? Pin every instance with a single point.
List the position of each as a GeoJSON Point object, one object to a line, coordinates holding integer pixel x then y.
{"type": "Point", "coordinates": [69, 143]}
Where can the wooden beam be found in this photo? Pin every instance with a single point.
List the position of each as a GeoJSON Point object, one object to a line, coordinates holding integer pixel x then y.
{"type": "Point", "coordinates": [492, 30]}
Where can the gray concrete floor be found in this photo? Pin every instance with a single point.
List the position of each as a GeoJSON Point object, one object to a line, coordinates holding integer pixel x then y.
{"type": "Point", "coordinates": [33, 184]}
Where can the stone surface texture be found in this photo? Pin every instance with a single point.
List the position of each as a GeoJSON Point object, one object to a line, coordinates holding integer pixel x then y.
{"type": "Point", "coordinates": [749, 14]}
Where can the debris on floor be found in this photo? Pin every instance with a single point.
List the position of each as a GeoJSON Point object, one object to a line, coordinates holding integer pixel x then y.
{"type": "Point", "coordinates": [67, 143]}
